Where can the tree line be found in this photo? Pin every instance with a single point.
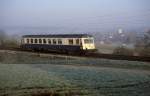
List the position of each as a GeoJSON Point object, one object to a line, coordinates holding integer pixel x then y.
{"type": "Point", "coordinates": [141, 48]}
{"type": "Point", "coordinates": [8, 40]}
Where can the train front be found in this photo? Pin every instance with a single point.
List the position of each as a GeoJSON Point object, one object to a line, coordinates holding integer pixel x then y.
{"type": "Point", "coordinates": [88, 44]}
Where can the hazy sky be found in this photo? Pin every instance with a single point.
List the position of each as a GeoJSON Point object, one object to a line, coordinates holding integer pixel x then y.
{"type": "Point", "coordinates": [76, 15]}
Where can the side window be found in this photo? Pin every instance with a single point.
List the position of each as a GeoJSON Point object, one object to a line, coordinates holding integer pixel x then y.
{"type": "Point", "coordinates": [27, 41]}
{"type": "Point", "coordinates": [49, 41]}
{"type": "Point", "coordinates": [59, 41]}
{"type": "Point", "coordinates": [40, 41]}
{"type": "Point", "coordinates": [31, 41]}
{"type": "Point", "coordinates": [54, 41]}
{"type": "Point", "coordinates": [70, 41]}
{"type": "Point", "coordinates": [44, 41]}
{"type": "Point", "coordinates": [77, 41]}
{"type": "Point", "coordinates": [35, 40]}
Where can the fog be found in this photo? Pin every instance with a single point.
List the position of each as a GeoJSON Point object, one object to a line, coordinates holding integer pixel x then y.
{"type": "Point", "coordinates": [75, 16]}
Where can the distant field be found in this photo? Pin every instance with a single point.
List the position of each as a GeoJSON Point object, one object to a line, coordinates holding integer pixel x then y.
{"type": "Point", "coordinates": [63, 76]}
{"type": "Point", "coordinates": [105, 48]}
{"type": "Point", "coordinates": [109, 48]}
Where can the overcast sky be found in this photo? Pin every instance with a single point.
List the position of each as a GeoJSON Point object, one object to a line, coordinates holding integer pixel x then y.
{"type": "Point", "coordinates": [79, 15]}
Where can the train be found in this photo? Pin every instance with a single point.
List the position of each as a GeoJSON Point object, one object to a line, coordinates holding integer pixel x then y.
{"type": "Point", "coordinates": [62, 43]}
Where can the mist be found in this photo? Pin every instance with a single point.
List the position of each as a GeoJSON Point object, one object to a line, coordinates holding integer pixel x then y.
{"type": "Point", "coordinates": [76, 16]}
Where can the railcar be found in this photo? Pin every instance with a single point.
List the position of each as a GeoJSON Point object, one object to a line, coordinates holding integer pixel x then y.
{"type": "Point", "coordinates": [64, 43]}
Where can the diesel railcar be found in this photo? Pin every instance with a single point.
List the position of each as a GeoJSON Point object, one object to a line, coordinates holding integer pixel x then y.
{"type": "Point", "coordinates": [64, 43]}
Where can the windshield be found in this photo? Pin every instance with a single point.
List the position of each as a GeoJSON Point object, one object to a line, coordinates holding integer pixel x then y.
{"type": "Point", "coordinates": [88, 41]}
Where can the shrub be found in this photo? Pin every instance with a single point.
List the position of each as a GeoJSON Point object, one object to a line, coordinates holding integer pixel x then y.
{"type": "Point", "coordinates": [123, 51]}
{"type": "Point", "coordinates": [144, 52]}
{"type": "Point", "coordinates": [11, 43]}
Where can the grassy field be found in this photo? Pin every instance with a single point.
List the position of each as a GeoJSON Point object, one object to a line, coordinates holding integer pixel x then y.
{"type": "Point", "coordinates": [57, 76]}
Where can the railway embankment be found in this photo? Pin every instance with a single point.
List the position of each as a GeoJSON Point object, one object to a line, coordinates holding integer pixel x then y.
{"type": "Point", "coordinates": [39, 54]}
{"type": "Point", "coordinates": [77, 56]}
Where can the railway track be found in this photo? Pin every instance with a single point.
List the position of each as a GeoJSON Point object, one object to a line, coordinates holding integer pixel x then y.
{"type": "Point", "coordinates": [119, 57]}
{"type": "Point", "coordinates": [93, 55]}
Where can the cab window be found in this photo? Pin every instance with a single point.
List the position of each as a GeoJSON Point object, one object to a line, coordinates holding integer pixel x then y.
{"type": "Point", "coordinates": [88, 41]}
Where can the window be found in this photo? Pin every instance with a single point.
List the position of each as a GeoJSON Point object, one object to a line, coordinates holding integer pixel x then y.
{"type": "Point", "coordinates": [54, 41]}
{"type": "Point", "coordinates": [88, 41]}
{"type": "Point", "coordinates": [35, 40]}
{"type": "Point", "coordinates": [44, 41]}
{"type": "Point", "coordinates": [77, 41]}
{"type": "Point", "coordinates": [40, 41]}
{"type": "Point", "coordinates": [28, 41]}
{"type": "Point", "coordinates": [59, 41]}
{"type": "Point", "coordinates": [49, 41]}
{"type": "Point", "coordinates": [31, 41]}
{"type": "Point", "coordinates": [70, 41]}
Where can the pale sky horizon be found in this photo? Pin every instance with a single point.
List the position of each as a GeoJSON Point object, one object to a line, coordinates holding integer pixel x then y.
{"type": "Point", "coordinates": [76, 15]}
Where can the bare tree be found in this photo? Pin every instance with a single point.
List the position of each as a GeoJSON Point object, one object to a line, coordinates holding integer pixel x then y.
{"type": "Point", "coordinates": [3, 37]}
{"type": "Point", "coordinates": [147, 39]}
{"type": "Point", "coordinates": [143, 45]}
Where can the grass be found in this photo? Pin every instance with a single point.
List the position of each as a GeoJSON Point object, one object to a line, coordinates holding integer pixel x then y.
{"type": "Point", "coordinates": [23, 78]}
{"type": "Point", "coordinates": [71, 77]}
{"type": "Point", "coordinates": [103, 80]}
